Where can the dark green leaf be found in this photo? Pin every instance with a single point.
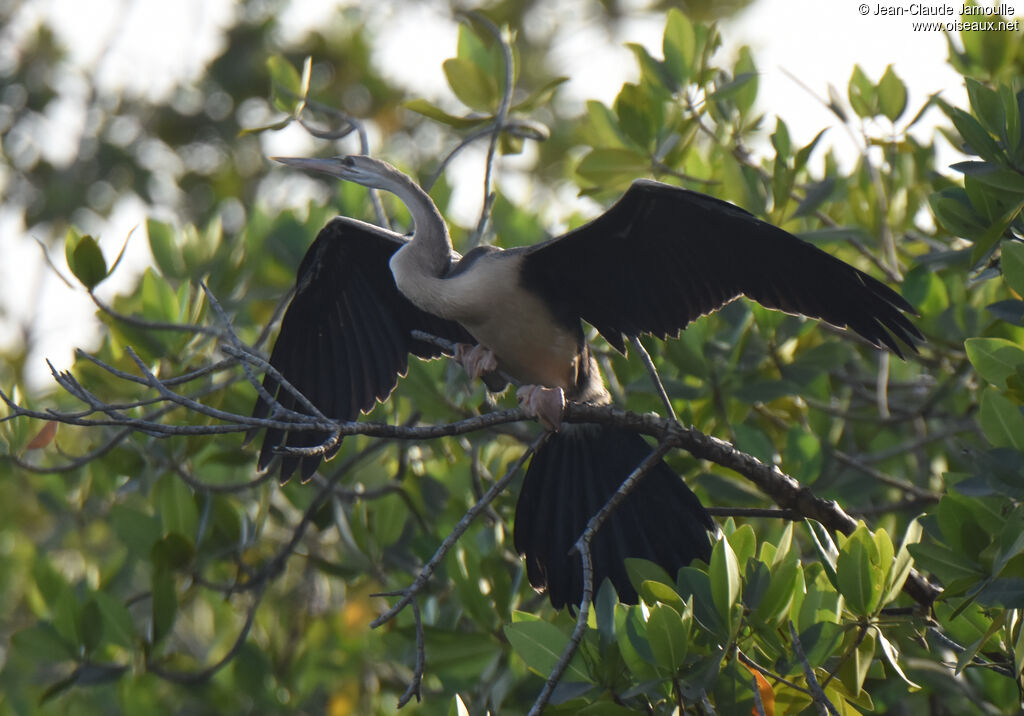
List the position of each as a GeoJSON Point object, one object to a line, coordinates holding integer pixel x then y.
{"type": "Point", "coordinates": [117, 621]}
{"type": "Point", "coordinates": [173, 501]}
{"type": "Point", "coordinates": [978, 140]}
{"type": "Point", "coordinates": [137, 530]}
{"type": "Point", "coordinates": [1013, 266]}
{"type": "Point", "coordinates": [87, 262]}
{"type": "Point", "coordinates": [995, 359]}
{"type": "Point", "coordinates": [986, 106]}
{"type": "Point", "coordinates": [1001, 420]}
{"type": "Point", "coordinates": [165, 604]}
{"type": "Point", "coordinates": [540, 645]}
{"type": "Point", "coordinates": [91, 626]}
{"type": "Point", "coordinates": [943, 562]}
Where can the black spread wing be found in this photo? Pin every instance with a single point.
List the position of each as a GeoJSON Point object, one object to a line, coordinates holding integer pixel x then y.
{"type": "Point", "coordinates": [345, 338]}
{"type": "Point", "coordinates": [663, 256]}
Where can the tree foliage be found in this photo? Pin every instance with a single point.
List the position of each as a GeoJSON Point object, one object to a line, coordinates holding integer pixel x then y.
{"type": "Point", "coordinates": [871, 556]}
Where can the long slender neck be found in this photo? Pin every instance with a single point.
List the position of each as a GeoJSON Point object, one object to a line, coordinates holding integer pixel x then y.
{"type": "Point", "coordinates": [430, 245]}
{"type": "Point", "coordinates": [419, 266]}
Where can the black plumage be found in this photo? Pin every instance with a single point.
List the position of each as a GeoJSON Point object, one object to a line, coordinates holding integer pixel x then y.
{"type": "Point", "coordinates": [346, 336]}
{"type": "Point", "coordinates": [663, 256]}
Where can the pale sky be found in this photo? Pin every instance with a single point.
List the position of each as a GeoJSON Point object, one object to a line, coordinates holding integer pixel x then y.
{"type": "Point", "coordinates": [146, 47]}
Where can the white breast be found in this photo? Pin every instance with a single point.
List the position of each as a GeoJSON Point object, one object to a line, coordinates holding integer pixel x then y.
{"type": "Point", "coordinates": [488, 300]}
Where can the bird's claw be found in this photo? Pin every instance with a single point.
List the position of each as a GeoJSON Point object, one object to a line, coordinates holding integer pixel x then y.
{"type": "Point", "coordinates": [545, 404]}
{"type": "Point", "coordinates": [478, 360]}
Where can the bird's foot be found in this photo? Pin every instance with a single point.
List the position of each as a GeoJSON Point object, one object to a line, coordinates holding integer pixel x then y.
{"type": "Point", "coordinates": [545, 404]}
{"type": "Point", "coordinates": [478, 360]}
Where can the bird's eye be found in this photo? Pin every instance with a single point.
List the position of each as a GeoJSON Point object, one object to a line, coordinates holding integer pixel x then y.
{"type": "Point", "coordinates": [348, 162]}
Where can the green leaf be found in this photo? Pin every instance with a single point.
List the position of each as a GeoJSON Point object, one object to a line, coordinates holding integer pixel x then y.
{"type": "Point", "coordinates": [1001, 420]}
{"type": "Point", "coordinates": [422, 106]}
{"type": "Point", "coordinates": [1012, 124]}
{"type": "Point", "coordinates": [136, 530]}
{"type": "Point", "coordinates": [862, 94]}
{"type": "Point", "coordinates": [654, 592]}
{"type": "Point", "coordinates": [904, 561]}
{"type": "Point", "coordinates": [892, 95]}
{"type": "Point", "coordinates": [986, 105]}
{"type": "Point", "coordinates": [956, 215]}
{"type": "Point", "coordinates": [943, 562]}
{"type": "Point", "coordinates": [540, 96]}
{"type": "Point", "coordinates": [802, 458]}
{"type": "Point", "coordinates": [173, 501]}
{"type": "Point", "coordinates": [118, 626]}
{"type": "Point", "coordinates": [85, 259]}
{"type": "Point", "coordinates": [286, 85]}
{"type": "Point", "coordinates": [992, 175]}
{"type": "Point", "coordinates": [744, 543]}
{"type": "Point", "coordinates": [164, 604]}
{"type": "Point", "coordinates": [855, 669]}
{"type": "Point", "coordinates": [978, 140]}
{"type": "Point", "coordinates": [637, 113]}
{"type": "Point", "coordinates": [825, 548]}
{"type": "Point", "coordinates": [67, 617]}
{"type": "Point", "coordinates": [1013, 266]}
{"type": "Point", "coordinates": [745, 94]}
{"type": "Point", "coordinates": [640, 571]}
{"type": "Point", "coordinates": [91, 620]}
{"type": "Point", "coordinates": [724, 574]}
{"type": "Point", "coordinates": [804, 153]}
{"type": "Point", "coordinates": [860, 574]}
{"type": "Point", "coordinates": [172, 551]}
{"type": "Point", "coordinates": [738, 86]}
{"type": "Point", "coordinates": [164, 248]}
{"type": "Point", "coordinates": [611, 168]}
{"type": "Point", "coordinates": [995, 359]}
{"type": "Point", "coordinates": [474, 87]}
{"type": "Point", "coordinates": [892, 657]}
{"type": "Point", "coordinates": [42, 643]}
{"type": "Point", "coordinates": [679, 45]}
{"type": "Point", "coordinates": [786, 581]}
{"type": "Point", "coordinates": [668, 633]}
{"type": "Point", "coordinates": [780, 140]}
{"type": "Point", "coordinates": [652, 71]}
{"type": "Point", "coordinates": [925, 290]}
{"type": "Point", "coordinates": [995, 232]}
{"type": "Point", "coordinates": [631, 638]}
{"type": "Point", "coordinates": [540, 645]}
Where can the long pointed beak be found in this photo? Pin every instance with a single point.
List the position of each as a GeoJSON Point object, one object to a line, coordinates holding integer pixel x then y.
{"type": "Point", "coordinates": [330, 166]}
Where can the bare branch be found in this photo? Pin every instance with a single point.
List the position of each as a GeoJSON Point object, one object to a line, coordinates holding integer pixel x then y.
{"type": "Point", "coordinates": [820, 700]}
{"type": "Point", "coordinates": [655, 378]}
{"type": "Point", "coordinates": [421, 660]}
{"type": "Point", "coordinates": [410, 592]}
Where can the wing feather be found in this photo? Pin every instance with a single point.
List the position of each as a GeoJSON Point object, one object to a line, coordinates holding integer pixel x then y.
{"type": "Point", "coordinates": [663, 256]}
{"type": "Point", "coordinates": [346, 336]}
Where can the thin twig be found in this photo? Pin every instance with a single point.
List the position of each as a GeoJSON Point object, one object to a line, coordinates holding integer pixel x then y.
{"type": "Point", "coordinates": [410, 592]}
{"type": "Point", "coordinates": [652, 371]}
{"type": "Point", "coordinates": [820, 700]}
{"type": "Point", "coordinates": [582, 546]}
{"type": "Point", "coordinates": [500, 118]}
{"type": "Point", "coordinates": [421, 660]}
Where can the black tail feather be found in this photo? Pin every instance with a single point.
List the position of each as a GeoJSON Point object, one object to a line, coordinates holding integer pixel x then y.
{"type": "Point", "coordinates": [572, 475]}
